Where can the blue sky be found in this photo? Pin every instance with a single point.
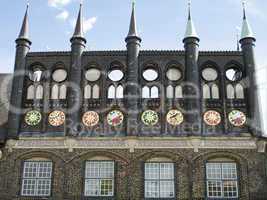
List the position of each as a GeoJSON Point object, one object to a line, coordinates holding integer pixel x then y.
{"type": "Point", "coordinates": [161, 24]}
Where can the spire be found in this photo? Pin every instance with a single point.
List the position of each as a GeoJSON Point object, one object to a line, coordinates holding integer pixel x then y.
{"type": "Point", "coordinates": [190, 27]}
{"type": "Point", "coordinates": [24, 32]}
{"type": "Point", "coordinates": [246, 29]}
{"type": "Point", "coordinates": [78, 32]}
{"type": "Point", "coordinates": [132, 29]}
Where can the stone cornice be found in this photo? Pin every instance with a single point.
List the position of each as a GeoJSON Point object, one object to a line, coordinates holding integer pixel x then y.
{"type": "Point", "coordinates": [133, 143]}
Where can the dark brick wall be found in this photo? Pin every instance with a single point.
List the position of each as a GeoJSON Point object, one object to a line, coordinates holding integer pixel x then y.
{"type": "Point", "coordinates": [190, 172]}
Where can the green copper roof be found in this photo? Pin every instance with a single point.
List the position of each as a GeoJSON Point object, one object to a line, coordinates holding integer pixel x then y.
{"type": "Point", "coordinates": [190, 27]}
{"type": "Point", "coordinates": [246, 28]}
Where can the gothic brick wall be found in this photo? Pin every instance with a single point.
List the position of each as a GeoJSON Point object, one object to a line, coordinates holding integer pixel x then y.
{"type": "Point", "coordinates": [190, 172]}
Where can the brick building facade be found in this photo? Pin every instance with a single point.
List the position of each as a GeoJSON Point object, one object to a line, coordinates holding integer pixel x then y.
{"type": "Point", "coordinates": [132, 125]}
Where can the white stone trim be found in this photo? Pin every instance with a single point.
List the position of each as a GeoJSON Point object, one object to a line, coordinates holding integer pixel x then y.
{"type": "Point", "coordinates": [133, 143]}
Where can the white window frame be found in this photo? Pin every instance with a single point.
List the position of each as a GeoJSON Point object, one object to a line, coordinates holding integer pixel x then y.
{"type": "Point", "coordinates": [98, 178]}
{"type": "Point", "coordinates": [221, 179]}
{"type": "Point", "coordinates": [40, 175]}
{"type": "Point", "coordinates": [159, 180]}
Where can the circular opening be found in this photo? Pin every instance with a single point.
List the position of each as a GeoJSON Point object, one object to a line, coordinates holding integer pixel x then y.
{"type": "Point", "coordinates": [209, 74]}
{"type": "Point", "coordinates": [59, 75]}
{"type": "Point", "coordinates": [174, 74]}
{"type": "Point", "coordinates": [36, 75]}
{"type": "Point", "coordinates": [233, 74]}
{"type": "Point", "coordinates": [92, 74]}
{"type": "Point", "coordinates": [115, 75]}
{"type": "Point", "coordinates": [150, 75]}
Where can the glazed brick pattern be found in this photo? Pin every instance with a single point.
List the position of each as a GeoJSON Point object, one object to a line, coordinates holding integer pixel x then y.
{"type": "Point", "coordinates": [190, 172]}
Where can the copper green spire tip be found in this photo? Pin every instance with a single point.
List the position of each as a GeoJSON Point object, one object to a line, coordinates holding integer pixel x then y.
{"type": "Point", "coordinates": [24, 32]}
{"type": "Point", "coordinates": [246, 28]}
{"type": "Point", "coordinates": [190, 27]}
{"type": "Point", "coordinates": [78, 32]}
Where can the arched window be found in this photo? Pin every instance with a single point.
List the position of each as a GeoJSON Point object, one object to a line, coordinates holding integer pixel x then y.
{"type": "Point", "coordinates": [119, 92]}
{"type": "Point", "coordinates": [215, 92]}
{"type": "Point", "coordinates": [99, 178]}
{"type": "Point", "coordinates": [96, 92]}
{"type": "Point", "coordinates": [178, 92]}
{"type": "Point", "coordinates": [169, 92]}
{"type": "Point", "coordinates": [159, 179]}
{"type": "Point", "coordinates": [37, 177]}
{"type": "Point", "coordinates": [221, 179]}
{"type": "Point", "coordinates": [146, 92]}
{"type": "Point", "coordinates": [111, 92]}
{"type": "Point", "coordinates": [63, 92]}
{"type": "Point", "coordinates": [206, 91]}
{"type": "Point", "coordinates": [54, 92]}
{"type": "Point", "coordinates": [239, 90]}
{"type": "Point", "coordinates": [87, 92]}
{"type": "Point", "coordinates": [30, 92]}
{"type": "Point", "coordinates": [39, 92]}
{"type": "Point", "coordinates": [230, 91]}
{"type": "Point", "coordinates": [59, 88]}
{"type": "Point", "coordinates": [154, 92]}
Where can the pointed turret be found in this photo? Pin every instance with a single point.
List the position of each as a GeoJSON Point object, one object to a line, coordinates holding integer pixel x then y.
{"type": "Point", "coordinates": [192, 88]}
{"type": "Point", "coordinates": [78, 43]}
{"type": "Point", "coordinates": [132, 29]}
{"type": "Point", "coordinates": [132, 92]}
{"type": "Point", "coordinates": [24, 31]}
{"type": "Point", "coordinates": [23, 45]}
{"type": "Point", "coordinates": [246, 28]}
{"type": "Point", "coordinates": [78, 32]}
{"type": "Point", "coordinates": [247, 42]}
{"type": "Point", "coordinates": [190, 27]}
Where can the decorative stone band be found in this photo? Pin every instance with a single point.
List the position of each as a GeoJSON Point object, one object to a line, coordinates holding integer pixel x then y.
{"type": "Point", "coordinates": [133, 143]}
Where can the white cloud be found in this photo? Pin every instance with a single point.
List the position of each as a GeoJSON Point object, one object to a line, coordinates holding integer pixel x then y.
{"type": "Point", "coordinates": [63, 15]}
{"type": "Point", "coordinates": [88, 24]}
{"type": "Point", "coordinates": [58, 3]}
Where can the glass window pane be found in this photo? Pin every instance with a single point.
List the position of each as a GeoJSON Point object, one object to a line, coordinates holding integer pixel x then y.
{"type": "Point", "coordinates": [106, 169]}
{"type": "Point", "coordinates": [92, 170]}
{"type": "Point", "coordinates": [43, 187]}
{"type": "Point", "coordinates": [106, 187]}
{"type": "Point", "coordinates": [91, 187]}
{"type": "Point", "coordinates": [28, 187]}
{"type": "Point", "coordinates": [166, 189]}
{"type": "Point", "coordinates": [166, 171]}
{"type": "Point", "coordinates": [214, 188]}
{"type": "Point", "coordinates": [152, 171]}
{"type": "Point", "coordinates": [230, 189]}
{"type": "Point", "coordinates": [151, 189]}
{"type": "Point", "coordinates": [229, 171]}
{"type": "Point", "coordinates": [213, 171]}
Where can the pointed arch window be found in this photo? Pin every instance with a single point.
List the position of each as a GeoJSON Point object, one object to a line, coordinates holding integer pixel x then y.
{"type": "Point", "coordinates": [169, 92]}
{"type": "Point", "coordinates": [178, 92]}
{"type": "Point", "coordinates": [215, 91]}
{"type": "Point", "coordinates": [30, 92]}
{"type": "Point", "coordinates": [239, 90]}
{"type": "Point", "coordinates": [115, 92]}
{"type": "Point", "coordinates": [206, 91]}
{"type": "Point", "coordinates": [230, 91]}
{"type": "Point", "coordinates": [150, 92]}
{"type": "Point", "coordinates": [59, 87]}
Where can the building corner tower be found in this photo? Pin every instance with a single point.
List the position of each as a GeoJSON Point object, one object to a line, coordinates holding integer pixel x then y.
{"type": "Point", "coordinates": [23, 45]}
{"type": "Point", "coordinates": [78, 43]}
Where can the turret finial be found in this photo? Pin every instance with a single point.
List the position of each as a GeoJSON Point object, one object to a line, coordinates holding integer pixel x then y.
{"type": "Point", "coordinates": [78, 33]}
{"type": "Point", "coordinates": [133, 29]}
{"type": "Point", "coordinates": [246, 29]}
{"type": "Point", "coordinates": [190, 27]}
{"type": "Point", "coordinates": [24, 32]}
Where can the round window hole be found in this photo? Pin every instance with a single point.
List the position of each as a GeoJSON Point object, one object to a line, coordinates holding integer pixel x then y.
{"type": "Point", "coordinates": [233, 74]}
{"type": "Point", "coordinates": [115, 75]}
{"type": "Point", "coordinates": [150, 75]}
{"type": "Point", "coordinates": [209, 74]}
{"type": "Point", "coordinates": [59, 75]}
{"type": "Point", "coordinates": [174, 74]}
{"type": "Point", "coordinates": [92, 75]}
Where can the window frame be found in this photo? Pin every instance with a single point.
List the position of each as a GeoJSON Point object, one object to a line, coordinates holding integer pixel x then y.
{"type": "Point", "coordinates": [237, 180]}
{"type": "Point", "coordinates": [22, 178]}
{"type": "Point", "coordinates": [174, 180]}
{"type": "Point", "coordinates": [114, 181]}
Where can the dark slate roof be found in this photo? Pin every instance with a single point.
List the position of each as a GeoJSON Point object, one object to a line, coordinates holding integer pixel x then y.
{"type": "Point", "coordinates": [5, 90]}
